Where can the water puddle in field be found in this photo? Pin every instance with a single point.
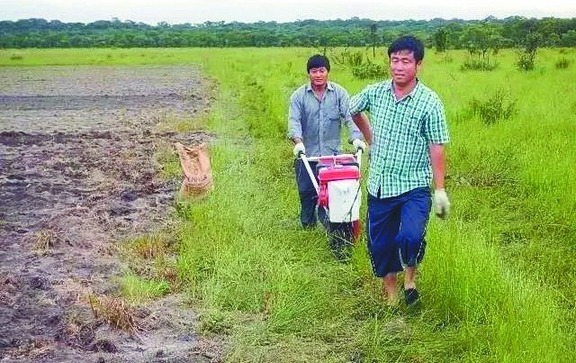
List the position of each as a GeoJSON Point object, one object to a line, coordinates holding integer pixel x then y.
{"type": "Point", "coordinates": [77, 175]}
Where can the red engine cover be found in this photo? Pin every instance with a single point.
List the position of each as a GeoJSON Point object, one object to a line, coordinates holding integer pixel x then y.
{"type": "Point", "coordinates": [338, 172]}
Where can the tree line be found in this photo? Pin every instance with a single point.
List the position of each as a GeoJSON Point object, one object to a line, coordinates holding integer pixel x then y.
{"type": "Point", "coordinates": [475, 35]}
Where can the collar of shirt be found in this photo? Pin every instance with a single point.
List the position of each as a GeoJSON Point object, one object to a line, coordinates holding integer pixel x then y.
{"type": "Point", "coordinates": [329, 87]}
{"type": "Point", "coordinates": [389, 87]}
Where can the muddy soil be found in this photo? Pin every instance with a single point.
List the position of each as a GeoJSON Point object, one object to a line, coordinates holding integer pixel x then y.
{"type": "Point", "coordinates": [77, 176]}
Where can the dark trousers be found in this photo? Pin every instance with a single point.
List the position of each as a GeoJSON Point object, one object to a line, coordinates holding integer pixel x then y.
{"type": "Point", "coordinates": [396, 230]}
{"type": "Point", "coordinates": [309, 212]}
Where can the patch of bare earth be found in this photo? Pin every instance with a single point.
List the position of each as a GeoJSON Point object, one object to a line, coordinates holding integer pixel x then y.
{"type": "Point", "coordinates": [77, 175]}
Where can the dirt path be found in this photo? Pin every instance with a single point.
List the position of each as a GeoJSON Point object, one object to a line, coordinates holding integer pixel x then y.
{"type": "Point", "coordinates": [77, 174]}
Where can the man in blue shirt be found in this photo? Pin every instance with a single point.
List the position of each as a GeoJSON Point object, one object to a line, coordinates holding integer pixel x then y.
{"type": "Point", "coordinates": [406, 132]}
{"type": "Point", "coordinates": [318, 110]}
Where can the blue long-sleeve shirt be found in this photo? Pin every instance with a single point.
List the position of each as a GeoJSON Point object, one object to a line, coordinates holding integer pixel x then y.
{"type": "Point", "coordinates": [319, 122]}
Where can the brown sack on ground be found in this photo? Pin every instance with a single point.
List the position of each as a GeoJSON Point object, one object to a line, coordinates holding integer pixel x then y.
{"type": "Point", "coordinates": [195, 163]}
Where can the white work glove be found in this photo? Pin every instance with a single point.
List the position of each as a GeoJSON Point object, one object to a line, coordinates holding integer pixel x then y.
{"type": "Point", "coordinates": [359, 144]}
{"type": "Point", "coordinates": [441, 203]}
{"type": "Point", "coordinates": [299, 149]}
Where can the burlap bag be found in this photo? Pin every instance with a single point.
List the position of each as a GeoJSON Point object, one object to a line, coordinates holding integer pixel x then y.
{"type": "Point", "coordinates": [195, 163]}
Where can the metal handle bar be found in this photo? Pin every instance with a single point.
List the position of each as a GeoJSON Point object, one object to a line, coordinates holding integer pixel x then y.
{"type": "Point", "coordinates": [306, 160]}
{"type": "Point", "coordinates": [357, 156]}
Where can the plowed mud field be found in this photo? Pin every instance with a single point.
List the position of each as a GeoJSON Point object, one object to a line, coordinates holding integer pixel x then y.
{"type": "Point", "coordinates": [78, 175]}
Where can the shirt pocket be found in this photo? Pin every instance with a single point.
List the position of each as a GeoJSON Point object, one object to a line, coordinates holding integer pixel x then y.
{"type": "Point", "coordinates": [334, 115]}
{"type": "Point", "coordinates": [412, 125]}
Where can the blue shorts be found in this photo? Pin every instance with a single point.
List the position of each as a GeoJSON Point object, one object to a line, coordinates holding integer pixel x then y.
{"type": "Point", "coordinates": [396, 230]}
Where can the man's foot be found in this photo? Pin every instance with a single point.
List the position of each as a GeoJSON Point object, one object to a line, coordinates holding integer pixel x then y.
{"type": "Point", "coordinates": [411, 296]}
{"type": "Point", "coordinates": [391, 299]}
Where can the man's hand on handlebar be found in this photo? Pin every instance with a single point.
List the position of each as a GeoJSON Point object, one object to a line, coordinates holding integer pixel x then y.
{"type": "Point", "coordinates": [359, 144]}
{"type": "Point", "coordinates": [299, 149]}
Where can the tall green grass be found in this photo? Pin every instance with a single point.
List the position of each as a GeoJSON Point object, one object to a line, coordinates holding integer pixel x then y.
{"type": "Point", "coordinates": [497, 282]}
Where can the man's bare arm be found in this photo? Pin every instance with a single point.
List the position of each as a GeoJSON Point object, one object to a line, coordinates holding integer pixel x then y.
{"type": "Point", "coordinates": [438, 161]}
{"type": "Point", "coordinates": [361, 120]}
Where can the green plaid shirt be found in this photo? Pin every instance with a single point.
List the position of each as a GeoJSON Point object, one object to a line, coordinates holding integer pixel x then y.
{"type": "Point", "coordinates": [402, 133]}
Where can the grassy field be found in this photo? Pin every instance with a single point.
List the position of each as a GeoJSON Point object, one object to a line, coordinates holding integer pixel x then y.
{"type": "Point", "coordinates": [498, 281]}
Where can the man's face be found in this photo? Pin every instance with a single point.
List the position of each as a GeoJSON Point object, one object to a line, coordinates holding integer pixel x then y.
{"type": "Point", "coordinates": [403, 67]}
{"type": "Point", "coordinates": [318, 76]}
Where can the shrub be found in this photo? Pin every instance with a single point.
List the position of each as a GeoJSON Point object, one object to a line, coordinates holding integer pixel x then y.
{"type": "Point", "coordinates": [562, 63]}
{"type": "Point", "coordinates": [369, 70]}
{"type": "Point", "coordinates": [527, 57]}
{"type": "Point", "coordinates": [526, 61]}
{"type": "Point", "coordinates": [498, 107]}
{"type": "Point", "coordinates": [478, 65]}
{"type": "Point", "coordinates": [447, 58]}
{"type": "Point", "coordinates": [362, 67]}
{"type": "Point", "coordinates": [348, 58]}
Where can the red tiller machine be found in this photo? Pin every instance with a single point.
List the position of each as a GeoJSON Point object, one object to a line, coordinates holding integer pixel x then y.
{"type": "Point", "coordinates": [339, 192]}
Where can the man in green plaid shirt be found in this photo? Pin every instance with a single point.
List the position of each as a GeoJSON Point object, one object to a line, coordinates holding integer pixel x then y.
{"type": "Point", "coordinates": [406, 131]}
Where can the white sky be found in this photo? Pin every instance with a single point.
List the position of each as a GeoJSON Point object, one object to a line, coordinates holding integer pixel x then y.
{"type": "Point", "coordinates": [199, 11]}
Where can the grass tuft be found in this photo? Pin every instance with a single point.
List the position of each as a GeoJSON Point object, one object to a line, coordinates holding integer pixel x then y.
{"type": "Point", "coordinates": [45, 240]}
{"type": "Point", "coordinates": [113, 311]}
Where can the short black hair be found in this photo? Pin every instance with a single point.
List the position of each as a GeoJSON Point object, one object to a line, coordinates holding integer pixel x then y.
{"type": "Point", "coordinates": [408, 42]}
{"type": "Point", "coordinates": [317, 61]}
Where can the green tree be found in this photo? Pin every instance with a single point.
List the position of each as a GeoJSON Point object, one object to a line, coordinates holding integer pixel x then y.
{"type": "Point", "coordinates": [568, 39]}
{"type": "Point", "coordinates": [480, 39]}
{"type": "Point", "coordinates": [373, 38]}
{"type": "Point", "coordinates": [440, 39]}
{"type": "Point", "coordinates": [527, 58]}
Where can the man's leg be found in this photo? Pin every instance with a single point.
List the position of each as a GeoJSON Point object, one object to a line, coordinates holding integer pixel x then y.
{"type": "Point", "coordinates": [307, 210]}
{"type": "Point", "coordinates": [389, 288]}
{"type": "Point", "coordinates": [410, 277]}
{"type": "Point", "coordinates": [307, 193]}
{"type": "Point", "coordinates": [412, 246]}
{"type": "Point", "coordinates": [383, 224]}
